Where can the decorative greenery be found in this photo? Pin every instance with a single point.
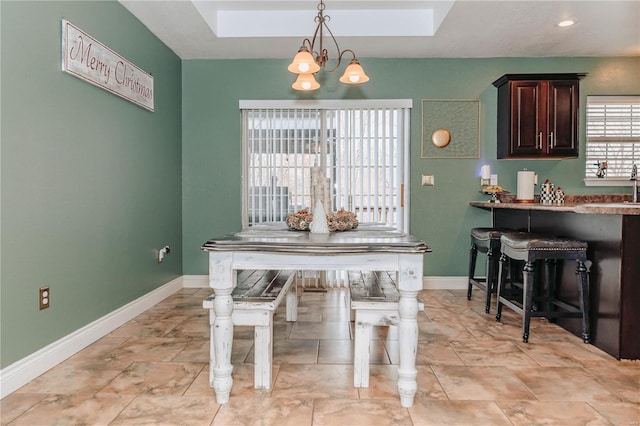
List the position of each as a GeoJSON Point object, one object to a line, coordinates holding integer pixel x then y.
{"type": "Point", "coordinates": [341, 220]}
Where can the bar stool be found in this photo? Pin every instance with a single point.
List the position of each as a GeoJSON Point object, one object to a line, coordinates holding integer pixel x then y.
{"type": "Point", "coordinates": [487, 241]}
{"type": "Point", "coordinates": [531, 248]}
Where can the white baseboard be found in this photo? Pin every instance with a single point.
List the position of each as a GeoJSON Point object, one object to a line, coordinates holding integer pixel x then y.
{"type": "Point", "coordinates": [428, 283]}
{"type": "Point", "coordinates": [195, 281]}
{"type": "Point", "coordinates": [444, 283]}
{"type": "Point", "coordinates": [23, 371]}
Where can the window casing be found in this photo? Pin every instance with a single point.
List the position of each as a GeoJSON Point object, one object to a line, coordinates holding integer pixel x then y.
{"type": "Point", "coordinates": [613, 136]}
{"type": "Point", "coordinates": [361, 146]}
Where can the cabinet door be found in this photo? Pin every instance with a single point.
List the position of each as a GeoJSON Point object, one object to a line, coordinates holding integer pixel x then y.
{"type": "Point", "coordinates": [562, 128]}
{"type": "Point", "coordinates": [527, 118]}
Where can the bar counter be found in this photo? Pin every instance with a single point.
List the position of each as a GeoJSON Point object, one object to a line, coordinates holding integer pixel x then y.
{"type": "Point", "coordinates": [618, 208]}
{"type": "Point", "coordinates": [611, 227]}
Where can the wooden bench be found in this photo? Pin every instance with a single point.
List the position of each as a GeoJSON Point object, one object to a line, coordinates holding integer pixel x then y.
{"type": "Point", "coordinates": [257, 295]}
{"type": "Point", "coordinates": [374, 299]}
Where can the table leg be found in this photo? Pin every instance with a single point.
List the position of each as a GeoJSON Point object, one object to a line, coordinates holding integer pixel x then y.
{"type": "Point", "coordinates": [408, 346]}
{"type": "Point", "coordinates": [222, 278]}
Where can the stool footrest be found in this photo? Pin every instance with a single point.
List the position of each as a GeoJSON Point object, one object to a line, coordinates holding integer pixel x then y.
{"type": "Point", "coordinates": [479, 282]}
{"type": "Point", "coordinates": [568, 312]}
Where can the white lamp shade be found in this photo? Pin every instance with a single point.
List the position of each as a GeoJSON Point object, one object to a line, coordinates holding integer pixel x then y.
{"type": "Point", "coordinates": [305, 82]}
{"type": "Point", "coordinates": [354, 74]}
{"type": "Point", "coordinates": [303, 63]}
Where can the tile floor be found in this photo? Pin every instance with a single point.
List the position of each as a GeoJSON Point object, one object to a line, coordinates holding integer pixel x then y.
{"type": "Point", "coordinates": [471, 371]}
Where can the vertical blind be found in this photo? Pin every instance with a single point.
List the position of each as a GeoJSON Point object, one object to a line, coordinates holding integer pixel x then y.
{"type": "Point", "coordinates": [362, 148]}
{"type": "Point", "coordinates": [613, 134]}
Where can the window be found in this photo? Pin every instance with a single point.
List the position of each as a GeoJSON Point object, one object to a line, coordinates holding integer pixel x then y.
{"type": "Point", "coordinates": [361, 146]}
{"type": "Point", "coordinates": [613, 136]}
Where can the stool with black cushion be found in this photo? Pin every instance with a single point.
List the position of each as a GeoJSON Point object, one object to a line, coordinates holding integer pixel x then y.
{"type": "Point", "coordinates": [533, 249]}
{"type": "Point", "coordinates": [487, 241]}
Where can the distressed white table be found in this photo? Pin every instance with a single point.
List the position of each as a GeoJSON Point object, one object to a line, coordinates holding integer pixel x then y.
{"type": "Point", "coordinates": [368, 248]}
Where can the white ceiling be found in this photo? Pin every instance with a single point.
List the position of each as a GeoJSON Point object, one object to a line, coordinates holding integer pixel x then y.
{"type": "Point", "coordinates": [210, 29]}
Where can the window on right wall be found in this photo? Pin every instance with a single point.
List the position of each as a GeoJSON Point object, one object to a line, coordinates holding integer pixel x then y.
{"type": "Point", "coordinates": [613, 139]}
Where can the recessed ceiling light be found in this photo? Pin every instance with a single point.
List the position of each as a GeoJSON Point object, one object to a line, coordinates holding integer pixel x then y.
{"type": "Point", "coordinates": [566, 23]}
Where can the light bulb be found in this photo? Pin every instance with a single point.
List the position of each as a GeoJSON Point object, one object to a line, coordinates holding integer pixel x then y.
{"type": "Point", "coordinates": [306, 85]}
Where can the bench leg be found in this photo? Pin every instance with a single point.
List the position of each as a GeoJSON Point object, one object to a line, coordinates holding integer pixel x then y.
{"type": "Point", "coordinates": [361, 342]}
{"type": "Point", "coordinates": [292, 303]}
{"type": "Point", "coordinates": [263, 354]}
{"type": "Point", "coordinates": [352, 312]}
{"type": "Point", "coordinates": [212, 353]}
{"type": "Point", "coordinates": [392, 343]}
{"type": "Point", "coordinates": [323, 279]}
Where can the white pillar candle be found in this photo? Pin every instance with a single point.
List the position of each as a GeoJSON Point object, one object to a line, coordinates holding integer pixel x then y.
{"type": "Point", "coordinates": [320, 188]}
{"type": "Point", "coordinates": [315, 181]}
{"type": "Point", "coordinates": [326, 195]}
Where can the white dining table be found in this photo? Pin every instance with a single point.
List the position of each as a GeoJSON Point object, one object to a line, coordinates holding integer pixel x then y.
{"type": "Point", "coordinates": [370, 247]}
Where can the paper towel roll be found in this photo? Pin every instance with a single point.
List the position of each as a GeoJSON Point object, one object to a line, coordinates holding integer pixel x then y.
{"type": "Point", "coordinates": [526, 181]}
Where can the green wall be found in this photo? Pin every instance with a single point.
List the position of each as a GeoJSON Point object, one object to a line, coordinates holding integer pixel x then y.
{"type": "Point", "coordinates": [440, 215]}
{"type": "Point", "coordinates": [90, 182]}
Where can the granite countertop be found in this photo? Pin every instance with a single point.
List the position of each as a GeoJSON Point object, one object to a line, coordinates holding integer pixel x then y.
{"type": "Point", "coordinates": [585, 204]}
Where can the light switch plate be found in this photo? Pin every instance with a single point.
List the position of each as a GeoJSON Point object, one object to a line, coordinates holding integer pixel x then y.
{"type": "Point", "coordinates": [494, 180]}
{"type": "Point", "coordinates": [428, 180]}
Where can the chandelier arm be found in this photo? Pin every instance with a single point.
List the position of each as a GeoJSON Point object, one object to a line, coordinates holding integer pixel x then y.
{"type": "Point", "coordinates": [309, 45]}
{"type": "Point", "coordinates": [353, 54]}
{"type": "Point", "coordinates": [317, 53]}
{"type": "Point", "coordinates": [325, 52]}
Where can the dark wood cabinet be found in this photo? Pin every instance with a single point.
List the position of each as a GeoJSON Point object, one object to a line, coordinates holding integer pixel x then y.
{"type": "Point", "coordinates": [538, 115]}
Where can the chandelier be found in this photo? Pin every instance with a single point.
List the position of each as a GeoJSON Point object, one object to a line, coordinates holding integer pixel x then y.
{"type": "Point", "coordinates": [308, 60]}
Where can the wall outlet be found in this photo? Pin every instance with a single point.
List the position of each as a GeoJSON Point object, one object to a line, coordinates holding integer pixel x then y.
{"type": "Point", "coordinates": [45, 297]}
